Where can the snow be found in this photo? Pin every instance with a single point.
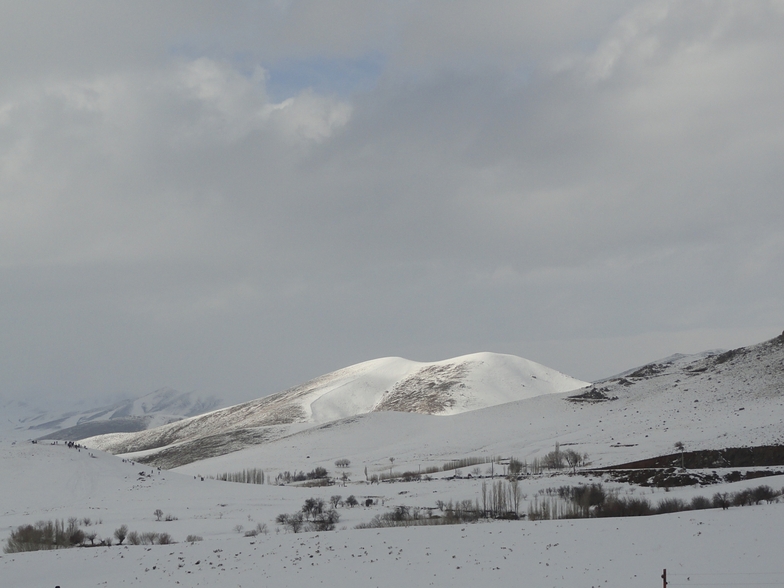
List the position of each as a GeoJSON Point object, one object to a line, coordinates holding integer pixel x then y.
{"type": "Point", "coordinates": [448, 387]}
{"type": "Point", "coordinates": [54, 481]}
{"type": "Point", "coordinates": [739, 403]}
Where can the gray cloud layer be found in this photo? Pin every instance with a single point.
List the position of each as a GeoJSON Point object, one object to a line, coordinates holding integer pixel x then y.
{"type": "Point", "coordinates": [587, 186]}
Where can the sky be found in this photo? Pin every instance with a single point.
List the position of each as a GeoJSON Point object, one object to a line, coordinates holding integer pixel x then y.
{"type": "Point", "coordinates": [231, 198]}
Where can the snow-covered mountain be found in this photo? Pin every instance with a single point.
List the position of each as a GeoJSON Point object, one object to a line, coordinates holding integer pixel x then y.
{"type": "Point", "coordinates": [706, 400]}
{"type": "Point", "coordinates": [443, 388]}
{"type": "Point", "coordinates": [151, 410]}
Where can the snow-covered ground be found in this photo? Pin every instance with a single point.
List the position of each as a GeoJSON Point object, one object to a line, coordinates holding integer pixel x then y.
{"type": "Point", "coordinates": [708, 401]}
{"type": "Point", "coordinates": [737, 547]}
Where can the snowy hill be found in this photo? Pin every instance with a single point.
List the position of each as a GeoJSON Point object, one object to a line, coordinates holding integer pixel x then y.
{"type": "Point", "coordinates": [152, 410]}
{"type": "Point", "coordinates": [709, 400]}
{"type": "Point", "coordinates": [448, 387]}
{"type": "Point", "coordinates": [706, 401]}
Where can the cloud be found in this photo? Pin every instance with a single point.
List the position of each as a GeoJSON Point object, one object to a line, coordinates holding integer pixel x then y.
{"type": "Point", "coordinates": [519, 179]}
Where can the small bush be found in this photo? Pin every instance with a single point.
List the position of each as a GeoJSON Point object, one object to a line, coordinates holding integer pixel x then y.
{"type": "Point", "coordinates": [193, 538]}
{"type": "Point", "coordinates": [165, 539]}
{"type": "Point", "coordinates": [700, 503]}
{"type": "Point", "coordinates": [670, 505]}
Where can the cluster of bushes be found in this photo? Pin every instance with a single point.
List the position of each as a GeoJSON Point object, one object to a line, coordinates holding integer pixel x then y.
{"type": "Point", "coordinates": [149, 538]}
{"type": "Point", "coordinates": [159, 515]}
{"type": "Point", "coordinates": [121, 533]}
{"type": "Point", "coordinates": [557, 459]}
{"type": "Point", "coordinates": [593, 501]}
{"type": "Point", "coordinates": [288, 477]}
{"type": "Point", "coordinates": [313, 516]}
{"type": "Point", "coordinates": [457, 513]}
{"type": "Point", "coordinates": [260, 529]}
{"type": "Point", "coordinates": [49, 535]}
{"type": "Point", "coordinates": [57, 534]}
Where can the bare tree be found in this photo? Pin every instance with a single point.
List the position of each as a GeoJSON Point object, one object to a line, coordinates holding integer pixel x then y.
{"type": "Point", "coordinates": [679, 446]}
{"type": "Point", "coordinates": [121, 533]}
{"type": "Point", "coordinates": [572, 458]}
{"type": "Point", "coordinates": [158, 513]}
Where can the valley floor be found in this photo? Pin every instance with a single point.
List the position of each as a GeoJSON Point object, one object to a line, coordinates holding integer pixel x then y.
{"type": "Point", "coordinates": [737, 547]}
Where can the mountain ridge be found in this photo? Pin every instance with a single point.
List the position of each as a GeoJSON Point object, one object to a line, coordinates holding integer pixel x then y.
{"type": "Point", "coordinates": [446, 387]}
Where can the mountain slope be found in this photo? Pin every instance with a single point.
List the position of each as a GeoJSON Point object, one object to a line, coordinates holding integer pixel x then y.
{"type": "Point", "coordinates": [714, 401]}
{"type": "Point", "coordinates": [389, 384]}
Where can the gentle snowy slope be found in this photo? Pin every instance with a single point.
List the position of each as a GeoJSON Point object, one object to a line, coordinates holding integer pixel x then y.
{"type": "Point", "coordinates": [49, 482]}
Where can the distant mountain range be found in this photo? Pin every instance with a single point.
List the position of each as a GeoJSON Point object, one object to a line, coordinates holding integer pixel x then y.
{"type": "Point", "coordinates": [152, 410]}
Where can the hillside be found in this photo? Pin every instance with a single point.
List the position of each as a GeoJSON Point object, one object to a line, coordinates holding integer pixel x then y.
{"type": "Point", "coordinates": [707, 401]}
{"type": "Point", "coordinates": [443, 388]}
{"type": "Point", "coordinates": [713, 401]}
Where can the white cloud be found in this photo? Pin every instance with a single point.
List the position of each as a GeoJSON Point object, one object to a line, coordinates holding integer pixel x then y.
{"type": "Point", "coordinates": [154, 197]}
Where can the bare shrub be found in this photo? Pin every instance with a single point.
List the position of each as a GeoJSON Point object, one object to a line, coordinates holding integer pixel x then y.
{"type": "Point", "coordinates": [668, 505]}
{"type": "Point", "coordinates": [120, 533]}
{"type": "Point", "coordinates": [700, 503]}
{"type": "Point", "coordinates": [165, 539]}
{"type": "Point", "coordinates": [721, 500]}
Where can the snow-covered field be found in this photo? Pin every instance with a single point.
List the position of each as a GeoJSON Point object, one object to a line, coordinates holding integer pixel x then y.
{"type": "Point", "coordinates": [739, 546]}
{"type": "Point", "coordinates": [709, 401]}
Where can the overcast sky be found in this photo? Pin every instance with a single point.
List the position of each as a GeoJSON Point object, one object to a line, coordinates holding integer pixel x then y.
{"type": "Point", "coordinates": [233, 197]}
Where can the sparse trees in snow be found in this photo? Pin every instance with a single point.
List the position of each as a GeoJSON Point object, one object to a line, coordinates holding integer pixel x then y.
{"type": "Point", "coordinates": [554, 460]}
{"type": "Point", "coordinates": [573, 459]}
